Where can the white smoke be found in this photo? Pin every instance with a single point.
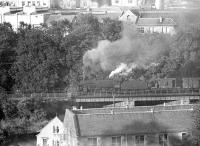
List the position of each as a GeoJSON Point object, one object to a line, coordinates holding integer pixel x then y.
{"type": "Point", "coordinates": [122, 56]}
{"type": "Point", "coordinates": [123, 69]}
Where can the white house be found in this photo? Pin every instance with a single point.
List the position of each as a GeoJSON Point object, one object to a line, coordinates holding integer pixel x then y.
{"type": "Point", "coordinates": [30, 15]}
{"type": "Point", "coordinates": [21, 3]}
{"type": "Point", "coordinates": [73, 4]}
{"type": "Point", "coordinates": [159, 25]}
{"type": "Point", "coordinates": [127, 3]}
{"type": "Point", "coordinates": [129, 16]}
{"type": "Point", "coordinates": [51, 134]}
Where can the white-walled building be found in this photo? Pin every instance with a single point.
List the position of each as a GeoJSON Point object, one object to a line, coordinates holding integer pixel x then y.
{"type": "Point", "coordinates": [73, 4]}
{"type": "Point", "coordinates": [21, 3]}
{"type": "Point", "coordinates": [129, 16]}
{"type": "Point", "coordinates": [126, 3]}
{"type": "Point", "coordinates": [51, 134]}
{"type": "Point", "coordinates": [156, 25]}
{"type": "Point", "coordinates": [30, 15]}
{"type": "Point", "coordinates": [165, 126]}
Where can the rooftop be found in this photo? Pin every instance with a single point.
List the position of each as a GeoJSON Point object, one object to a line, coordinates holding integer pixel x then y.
{"type": "Point", "coordinates": [129, 121]}
{"type": "Point", "coordinates": [155, 22]}
{"type": "Point", "coordinates": [135, 109]}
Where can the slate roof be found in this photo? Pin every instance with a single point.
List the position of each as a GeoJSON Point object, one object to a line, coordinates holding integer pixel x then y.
{"type": "Point", "coordinates": [155, 22]}
{"type": "Point", "coordinates": [157, 14]}
{"type": "Point", "coordinates": [125, 121]}
{"type": "Point", "coordinates": [132, 109]}
{"type": "Point", "coordinates": [134, 122]}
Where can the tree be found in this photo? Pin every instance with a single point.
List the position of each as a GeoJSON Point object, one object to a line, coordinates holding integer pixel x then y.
{"type": "Point", "coordinates": [8, 41]}
{"type": "Point", "coordinates": [111, 29]}
{"type": "Point", "coordinates": [38, 62]}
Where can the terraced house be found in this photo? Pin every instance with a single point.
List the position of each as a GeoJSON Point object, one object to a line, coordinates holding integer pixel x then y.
{"type": "Point", "coordinates": [165, 126]}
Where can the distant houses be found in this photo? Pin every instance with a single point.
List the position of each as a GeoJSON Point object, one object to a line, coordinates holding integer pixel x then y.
{"type": "Point", "coordinates": [29, 15]}
{"type": "Point", "coordinates": [156, 25]}
{"type": "Point", "coordinates": [159, 22]}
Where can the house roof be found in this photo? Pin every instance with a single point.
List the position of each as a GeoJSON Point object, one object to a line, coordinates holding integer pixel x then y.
{"type": "Point", "coordinates": [135, 11]}
{"type": "Point", "coordinates": [134, 122]}
{"type": "Point", "coordinates": [158, 13]}
{"type": "Point", "coordinates": [155, 22]}
{"type": "Point", "coordinates": [132, 109]}
{"type": "Point", "coordinates": [59, 118]}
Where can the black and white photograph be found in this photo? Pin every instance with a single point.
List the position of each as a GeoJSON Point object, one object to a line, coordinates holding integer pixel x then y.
{"type": "Point", "coordinates": [99, 72]}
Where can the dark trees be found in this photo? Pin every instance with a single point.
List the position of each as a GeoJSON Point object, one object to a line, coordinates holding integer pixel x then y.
{"type": "Point", "coordinates": [37, 63]}
{"type": "Point", "coordinates": [8, 41]}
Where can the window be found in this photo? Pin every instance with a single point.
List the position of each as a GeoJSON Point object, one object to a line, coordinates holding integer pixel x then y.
{"type": "Point", "coordinates": [44, 142]}
{"type": "Point", "coordinates": [23, 3]}
{"type": "Point", "coordinates": [173, 83]}
{"type": "Point", "coordinates": [163, 140]}
{"type": "Point", "coordinates": [139, 140]}
{"type": "Point", "coordinates": [57, 129]}
{"type": "Point", "coordinates": [117, 1]}
{"type": "Point", "coordinates": [116, 141]}
{"type": "Point", "coordinates": [58, 143]}
{"type": "Point", "coordinates": [54, 129]}
{"type": "Point", "coordinates": [92, 141]}
{"type": "Point", "coordinates": [140, 29]}
{"type": "Point", "coordinates": [130, 1]}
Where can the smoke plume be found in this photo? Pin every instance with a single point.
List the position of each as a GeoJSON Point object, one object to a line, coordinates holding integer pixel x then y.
{"type": "Point", "coordinates": [132, 50]}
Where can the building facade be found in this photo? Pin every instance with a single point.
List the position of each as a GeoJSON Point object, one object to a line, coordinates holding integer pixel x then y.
{"type": "Point", "coordinates": [21, 3]}
{"type": "Point", "coordinates": [83, 4]}
{"type": "Point", "coordinates": [127, 127]}
{"type": "Point", "coordinates": [51, 134]}
{"type": "Point", "coordinates": [156, 25]}
{"type": "Point", "coordinates": [32, 15]}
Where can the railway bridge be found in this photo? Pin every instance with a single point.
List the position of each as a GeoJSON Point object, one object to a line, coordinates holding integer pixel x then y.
{"type": "Point", "coordinates": [117, 96]}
